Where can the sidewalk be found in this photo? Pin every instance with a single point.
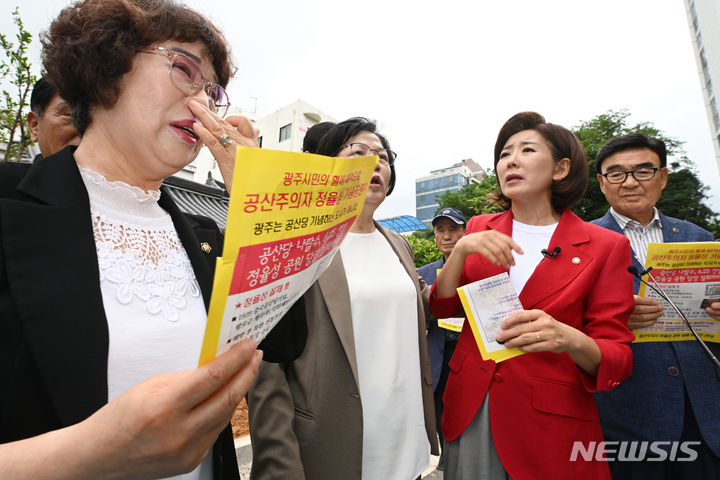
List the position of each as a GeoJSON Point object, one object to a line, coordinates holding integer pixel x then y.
{"type": "Point", "coordinates": [243, 451]}
{"type": "Point", "coordinates": [244, 457]}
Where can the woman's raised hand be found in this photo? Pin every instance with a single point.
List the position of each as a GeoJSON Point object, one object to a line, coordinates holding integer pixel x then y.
{"type": "Point", "coordinates": [493, 245]}
{"type": "Point", "coordinates": [222, 136]}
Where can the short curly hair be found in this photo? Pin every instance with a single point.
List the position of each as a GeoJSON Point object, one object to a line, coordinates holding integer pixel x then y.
{"type": "Point", "coordinates": [92, 43]}
{"type": "Point", "coordinates": [563, 144]}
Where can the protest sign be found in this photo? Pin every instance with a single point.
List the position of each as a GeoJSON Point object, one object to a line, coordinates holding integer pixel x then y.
{"type": "Point", "coordinates": [288, 214]}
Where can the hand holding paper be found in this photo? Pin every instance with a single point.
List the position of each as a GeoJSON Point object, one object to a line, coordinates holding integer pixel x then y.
{"type": "Point", "coordinates": [646, 313]}
{"type": "Point", "coordinates": [714, 310]}
{"type": "Point", "coordinates": [487, 303]}
{"type": "Point", "coordinates": [536, 331]}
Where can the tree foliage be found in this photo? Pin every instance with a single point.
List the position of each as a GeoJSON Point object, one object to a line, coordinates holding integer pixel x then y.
{"type": "Point", "coordinates": [17, 81]}
{"type": "Point", "coordinates": [684, 196]}
{"type": "Point", "coordinates": [473, 199]}
{"type": "Point", "coordinates": [424, 249]}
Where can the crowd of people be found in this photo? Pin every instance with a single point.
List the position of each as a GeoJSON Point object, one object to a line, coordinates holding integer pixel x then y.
{"type": "Point", "coordinates": [104, 291]}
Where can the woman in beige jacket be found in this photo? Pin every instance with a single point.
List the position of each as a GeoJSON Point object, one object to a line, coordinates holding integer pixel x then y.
{"type": "Point", "coordinates": [357, 404]}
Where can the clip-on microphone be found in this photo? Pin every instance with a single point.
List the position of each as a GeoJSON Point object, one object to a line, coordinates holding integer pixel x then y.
{"type": "Point", "coordinates": [634, 271]}
{"type": "Point", "coordinates": [554, 253]}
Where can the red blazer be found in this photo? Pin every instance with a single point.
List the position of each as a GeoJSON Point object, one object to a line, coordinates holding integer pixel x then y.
{"type": "Point", "coordinates": [540, 403]}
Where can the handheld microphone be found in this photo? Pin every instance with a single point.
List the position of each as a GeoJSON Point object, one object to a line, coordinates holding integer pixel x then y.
{"type": "Point", "coordinates": [634, 271]}
{"type": "Point", "coordinates": [554, 253]}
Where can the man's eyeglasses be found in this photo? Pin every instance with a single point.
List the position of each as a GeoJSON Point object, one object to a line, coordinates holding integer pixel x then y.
{"type": "Point", "coordinates": [186, 75]}
{"type": "Point", "coordinates": [641, 174]}
{"type": "Point", "coordinates": [387, 157]}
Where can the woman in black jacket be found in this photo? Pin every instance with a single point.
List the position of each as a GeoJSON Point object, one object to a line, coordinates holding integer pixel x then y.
{"type": "Point", "coordinates": [103, 284]}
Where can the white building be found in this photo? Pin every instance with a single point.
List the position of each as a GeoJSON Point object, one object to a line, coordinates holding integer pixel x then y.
{"type": "Point", "coordinates": [429, 189]}
{"type": "Point", "coordinates": [704, 19]}
{"type": "Point", "coordinates": [283, 129]}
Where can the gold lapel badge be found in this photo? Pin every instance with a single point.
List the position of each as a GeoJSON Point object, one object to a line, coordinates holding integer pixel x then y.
{"type": "Point", "coordinates": [675, 229]}
{"type": "Point", "coordinates": [576, 260]}
{"type": "Point", "coordinates": [206, 247]}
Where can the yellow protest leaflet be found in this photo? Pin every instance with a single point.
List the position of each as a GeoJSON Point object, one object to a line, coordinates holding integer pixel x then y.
{"type": "Point", "coordinates": [288, 214]}
{"type": "Point", "coordinates": [690, 275]}
{"type": "Point", "coordinates": [487, 303]}
{"type": "Point", "coordinates": [454, 324]}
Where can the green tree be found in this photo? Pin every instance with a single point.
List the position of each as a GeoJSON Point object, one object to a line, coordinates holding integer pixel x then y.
{"type": "Point", "coordinates": [424, 249]}
{"type": "Point", "coordinates": [15, 71]}
{"type": "Point", "coordinates": [473, 199]}
{"type": "Point", "coordinates": [684, 196]}
{"type": "Point", "coordinates": [427, 234]}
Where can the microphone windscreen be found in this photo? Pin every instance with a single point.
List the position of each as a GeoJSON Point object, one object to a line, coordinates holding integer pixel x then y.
{"type": "Point", "coordinates": [633, 270]}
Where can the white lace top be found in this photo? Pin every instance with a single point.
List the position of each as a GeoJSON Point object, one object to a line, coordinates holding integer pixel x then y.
{"type": "Point", "coordinates": [155, 312]}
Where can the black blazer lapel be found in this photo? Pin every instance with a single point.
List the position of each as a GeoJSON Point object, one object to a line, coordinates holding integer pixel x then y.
{"type": "Point", "coordinates": [53, 275]}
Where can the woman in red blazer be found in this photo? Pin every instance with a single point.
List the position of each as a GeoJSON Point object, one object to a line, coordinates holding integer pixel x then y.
{"type": "Point", "coordinates": [522, 417]}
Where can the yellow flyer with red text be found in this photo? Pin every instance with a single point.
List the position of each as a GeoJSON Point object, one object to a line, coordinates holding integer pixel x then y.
{"type": "Point", "coordinates": [288, 214]}
{"type": "Point", "coordinates": [690, 275]}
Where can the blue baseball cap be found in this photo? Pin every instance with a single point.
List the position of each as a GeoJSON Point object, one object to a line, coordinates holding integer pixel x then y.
{"type": "Point", "coordinates": [452, 213]}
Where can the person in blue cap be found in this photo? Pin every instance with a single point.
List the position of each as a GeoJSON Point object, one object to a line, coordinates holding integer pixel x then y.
{"type": "Point", "coordinates": [449, 226]}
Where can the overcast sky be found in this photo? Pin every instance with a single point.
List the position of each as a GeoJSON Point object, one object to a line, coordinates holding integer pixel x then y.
{"type": "Point", "coordinates": [442, 77]}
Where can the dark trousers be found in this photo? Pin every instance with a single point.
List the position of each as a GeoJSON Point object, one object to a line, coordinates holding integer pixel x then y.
{"type": "Point", "coordinates": [448, 351]}
{"type": "Point", "coordinates": [705, 467]}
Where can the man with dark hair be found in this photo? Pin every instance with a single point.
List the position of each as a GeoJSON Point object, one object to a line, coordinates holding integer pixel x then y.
{"type": "Point", "coordinates": [50, 119]}
{"type": "Point", "coordinates": [673, 394]}
{"type": "Point", "coordinates": [314, 134]}
{"type": "Point", "coordinates": [449, 226]}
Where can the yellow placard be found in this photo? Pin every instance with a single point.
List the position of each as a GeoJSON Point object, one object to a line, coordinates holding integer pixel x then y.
{"type": "Point", "coordinates": [288, 214]}
{"type": "Point", "coordinates": [452, 324]}
{"type": "Point", "coordinates": [690, 274]}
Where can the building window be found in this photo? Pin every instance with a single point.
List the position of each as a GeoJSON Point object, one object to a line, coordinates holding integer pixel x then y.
{"type": "Point", "coordinates": [285, 132]}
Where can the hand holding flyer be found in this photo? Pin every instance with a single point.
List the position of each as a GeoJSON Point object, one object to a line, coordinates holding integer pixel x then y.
{"type": "Point", "coordinates": [288, 214]}
{"type": "Point", "coordinates": [487, 303]}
